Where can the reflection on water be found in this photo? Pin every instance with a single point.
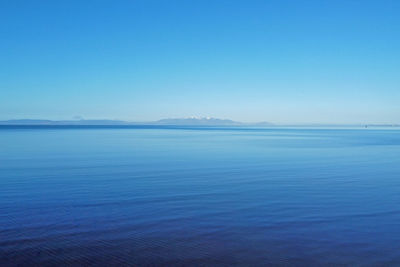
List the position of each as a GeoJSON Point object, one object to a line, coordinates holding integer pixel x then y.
{"type": "Point", "coordinates": [199, 196]}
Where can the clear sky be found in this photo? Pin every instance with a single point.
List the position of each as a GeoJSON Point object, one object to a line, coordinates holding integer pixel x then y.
{"type": "Point", "coordinates": [322, 61]}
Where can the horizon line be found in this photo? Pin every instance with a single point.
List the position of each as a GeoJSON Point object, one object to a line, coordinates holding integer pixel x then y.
{"type": "Point", "coordinates": [170, 121]}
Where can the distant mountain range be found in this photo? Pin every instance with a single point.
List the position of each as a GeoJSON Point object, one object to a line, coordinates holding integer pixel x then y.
{"type": "Point", "coordinates": [197, 121]}
{"type": "Point", "coordinates": [191, 121]}
{"type": "Point", "coordinates": [63, 122]}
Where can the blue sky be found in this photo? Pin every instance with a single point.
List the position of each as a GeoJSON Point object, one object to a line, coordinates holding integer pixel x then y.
{"type": "Point", "coordinates": [280, 61]}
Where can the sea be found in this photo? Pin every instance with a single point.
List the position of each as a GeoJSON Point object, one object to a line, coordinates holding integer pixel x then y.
{"type": "Point", "coordinates": [199, 196]}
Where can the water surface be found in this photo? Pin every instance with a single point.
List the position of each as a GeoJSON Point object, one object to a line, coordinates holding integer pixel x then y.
{"type": "Point", "coordinates": [199, 196]}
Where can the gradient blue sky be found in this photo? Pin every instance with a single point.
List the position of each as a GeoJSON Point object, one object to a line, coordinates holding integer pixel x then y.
{"type": "Point", "coordinates": [280, 61]}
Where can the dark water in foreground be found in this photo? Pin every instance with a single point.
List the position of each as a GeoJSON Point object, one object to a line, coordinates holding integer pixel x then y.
{"type": "Point", "coordinates": [190, 196]}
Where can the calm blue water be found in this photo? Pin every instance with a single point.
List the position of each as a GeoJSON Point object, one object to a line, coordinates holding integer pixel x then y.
{"type": "Point", "coordinates": [199, 196]}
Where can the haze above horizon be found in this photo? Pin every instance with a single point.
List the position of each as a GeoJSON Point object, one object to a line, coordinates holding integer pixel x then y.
{"type": "Point", "coordinates": [277, 61]}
